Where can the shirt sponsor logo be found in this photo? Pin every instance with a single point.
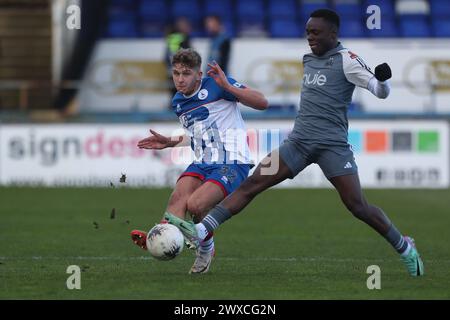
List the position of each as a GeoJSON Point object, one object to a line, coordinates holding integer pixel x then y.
{"type": "Point", "coordinates": [316, 79]}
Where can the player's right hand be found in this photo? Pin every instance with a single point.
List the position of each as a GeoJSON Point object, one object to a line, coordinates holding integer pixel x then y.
{"type": "Point", "coordinates": [156, 141]}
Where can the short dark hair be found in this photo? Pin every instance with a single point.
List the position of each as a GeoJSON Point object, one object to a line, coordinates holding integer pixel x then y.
{"type": "Point", "coordinates": [329, 15]}
{"type": "Point", "coordinates": [188, 57]}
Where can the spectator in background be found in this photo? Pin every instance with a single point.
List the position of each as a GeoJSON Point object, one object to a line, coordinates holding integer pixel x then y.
{"type": "Point", "coordinates": [220, 46]}
{"type": "Point", "coordinates": [177, 37]}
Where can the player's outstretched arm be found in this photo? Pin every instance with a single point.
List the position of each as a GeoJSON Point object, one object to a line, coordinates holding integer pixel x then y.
{"type": "Point", "coordinates": [378, 85]}
{"type": "Point", "coordinates": [357, 72]}
{"type": "Point", "coordinates": [158, 141]}
{"type": "Point", "coordinates": [250, 97]}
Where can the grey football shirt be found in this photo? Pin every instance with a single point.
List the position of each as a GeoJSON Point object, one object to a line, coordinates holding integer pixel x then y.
{"type": "Point", "coordinates": [327, 89]}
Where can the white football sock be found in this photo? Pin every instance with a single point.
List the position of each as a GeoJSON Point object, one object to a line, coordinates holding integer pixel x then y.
{"type": "Point", "coordinates": [405, 253]}
{"type": "Point", "coordinates": [201, 230]}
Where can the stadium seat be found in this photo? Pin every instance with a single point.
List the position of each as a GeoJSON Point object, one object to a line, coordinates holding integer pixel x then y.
{"type": "Point", "coordinates": [230, 28]}
{"type": "Point", "coordinates": [412, 7]}
{"type": "Point", "coordinates": [118, 7]}
{"type": "Point", "coordinates": [153, 10]}
{"type": "Point", "coordinates": [352, 28]}
{"type": "Point", "coordinates": [348, 8]}
{"type": "Point", "coordinates": [440, 8]}
{"type": "Point", "coordinates": [414, 26]}
{"type": "Point", "coordinates": [221, 8]}
{"type": "Point", "coordinates": [282, 9]}
{"type": "Point", "coordinates": [285, 28]}
{"type": "Point", "coordinates": [388, 29]}
{"type": "Point", "coordinates": [251, 29]}
{"type": "Point", "coordinates": [440, 27]}
{"type": "Point", "coordinates": [308, 6]}
{"type": "Point", "coordinates": [250, 18]}
{"type": "Point", "coordinates": [151, 29]}
{"type": "Point", "coordinates": [187, 8]}
{"type": "Point", "coordinates": [121, 2]}
{"type": "Point", "coordinates": [250, 10]}
{"type": "Point", "coordinates": [122, 27]}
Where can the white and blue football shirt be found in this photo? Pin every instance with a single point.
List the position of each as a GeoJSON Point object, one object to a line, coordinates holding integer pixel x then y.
{"type": "Point", "coordinates": [212, 119]}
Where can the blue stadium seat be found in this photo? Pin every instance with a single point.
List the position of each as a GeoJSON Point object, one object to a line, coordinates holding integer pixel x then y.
{"type": "Point", "coordinates": [285, 28]}
{"type": "Point", "coordinates": [187, 8]}
{"type": "Point", "coordinates": [120, 2]}
{"type": "Point", "coordinates": [440, 8]}
{"type": "Point", "coordinates": [440, 27]}
{"type": "Point", "coordinates": [250, 18]}
{"type": "Point", "coordinates": [348, 9]}
{"type": "Point", "coordinates": [251, 10]}
{"type": "Point", "coordinates": [387, 8]}
{"type": "Point", "coordinates": [230, 27]}
{"type": "Point", "coordinates": [151, 28]}
{"type": "Point", "coordinates": [118, 7]}
{"type": "Point", "coordinates": [122, 27]}
{"type": "Point", "coordinates": [153, 10]}
{"type": "Point", "coordinates": [221, 8]}
{"type": "Point", "coordinates": [123, 3]}
{"type": "Point", "coordinates": [414, 26]}
{"type": "Point", "coordinates": [249, 28]}
{"type": "Point", "coordinates": [388, 29]}
{"type": "Point", "coordinates": [352, 28]}
{"type": "Point", "coordinates": [308, 6]}
{"type": "Point", "coordinates": [282, 9]}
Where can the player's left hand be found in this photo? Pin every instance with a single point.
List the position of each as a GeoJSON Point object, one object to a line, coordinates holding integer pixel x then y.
{"type": "Point", "coordinates": [217, 74]}
{"type": "Point", "coordinates": [383, 72]}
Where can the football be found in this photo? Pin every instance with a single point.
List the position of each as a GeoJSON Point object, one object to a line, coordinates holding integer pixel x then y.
{"type": "Point", "coordinates": [165, 241]}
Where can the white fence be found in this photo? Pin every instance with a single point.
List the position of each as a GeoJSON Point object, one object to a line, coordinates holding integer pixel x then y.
{"type": "Point", "coordinates": [397, 154]}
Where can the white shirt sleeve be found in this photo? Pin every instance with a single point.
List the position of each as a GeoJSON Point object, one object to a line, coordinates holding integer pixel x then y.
{"type": "Point", "coordinates": [379, 89]}
{"type": "Point", "coordinates": [355, 69]}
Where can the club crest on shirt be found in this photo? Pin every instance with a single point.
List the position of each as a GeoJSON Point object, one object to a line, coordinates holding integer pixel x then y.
{"type": "Point", "coordinates": [203, 94]}
{"type": "Point", "coordinates": [178, 108]}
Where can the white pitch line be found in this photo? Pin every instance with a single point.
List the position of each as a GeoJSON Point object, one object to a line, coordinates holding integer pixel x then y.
{"type": "Point", "coordinates": [292, 259]}
{"type": "Point", "coordinates": [267, 259]}
{"type": "Point", "coordinates": [183, 257]}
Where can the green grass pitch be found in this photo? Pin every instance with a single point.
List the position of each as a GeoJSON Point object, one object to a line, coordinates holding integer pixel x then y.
{"type": "Point", "coordinates": [287, 244]}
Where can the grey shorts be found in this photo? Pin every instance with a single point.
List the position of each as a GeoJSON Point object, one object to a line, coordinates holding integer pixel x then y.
{"type": "Point", "coordinates": [333, 160]}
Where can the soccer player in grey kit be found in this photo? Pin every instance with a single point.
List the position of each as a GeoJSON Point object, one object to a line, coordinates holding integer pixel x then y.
{"type": "Point", "coordinates": [331, 73]}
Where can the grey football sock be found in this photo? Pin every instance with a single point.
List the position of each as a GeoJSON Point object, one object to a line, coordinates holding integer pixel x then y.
{"type": "Point", "coordinates": [216, 217]}
{"type": "Point", "coordinates": [394, 237]}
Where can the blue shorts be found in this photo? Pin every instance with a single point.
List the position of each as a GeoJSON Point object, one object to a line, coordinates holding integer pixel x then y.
{"type": "Point", "coordinates": [227, 176]}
